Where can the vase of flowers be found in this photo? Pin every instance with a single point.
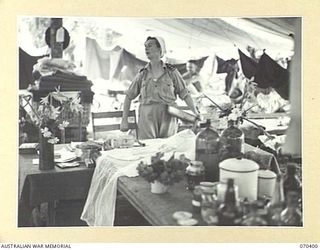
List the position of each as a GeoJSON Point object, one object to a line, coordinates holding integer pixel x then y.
{"type": "Point", "coordinates": [162, 174]}
{"type": "Point", "coordinates": [49, 117]}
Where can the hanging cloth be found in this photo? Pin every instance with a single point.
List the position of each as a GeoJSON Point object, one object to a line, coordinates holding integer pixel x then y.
{"type": "Point", "coordinates": [26, 63]}
{"type": "Point", "coordinates": [248, 65]}
{"type": "Point", "coordinates": [270, 74]}
{"type": "Point", "coordinates": [97, 62]}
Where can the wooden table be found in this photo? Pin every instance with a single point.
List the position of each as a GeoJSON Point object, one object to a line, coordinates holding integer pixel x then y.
{"type": "Point", "coordinates": [157, 209]}
{"type": "Point", "coordinates": [46, 186]}
{"type": "Point", "coordinates": [40, 186]}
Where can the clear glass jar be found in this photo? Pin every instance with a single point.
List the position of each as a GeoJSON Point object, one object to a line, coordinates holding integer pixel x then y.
{"type": "Point", "coordinates": [209, 203]}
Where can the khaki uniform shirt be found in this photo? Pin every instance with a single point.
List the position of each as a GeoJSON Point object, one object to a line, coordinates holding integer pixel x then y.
{"type": "Point", "coordinates": [161, 90]}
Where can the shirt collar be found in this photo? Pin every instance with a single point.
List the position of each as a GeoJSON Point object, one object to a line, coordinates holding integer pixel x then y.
{"type": "Point", "coordinates": [148, 65]}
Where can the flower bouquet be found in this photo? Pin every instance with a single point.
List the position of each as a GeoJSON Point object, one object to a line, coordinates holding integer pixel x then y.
{"type": "Point", "coordinates": [161, 174]}
{"type": "Point", "coordinates": [49, 118]}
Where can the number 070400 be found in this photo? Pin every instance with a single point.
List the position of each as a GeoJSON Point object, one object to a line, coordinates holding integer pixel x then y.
{"type": "Point", "coordinates": [305, 245]}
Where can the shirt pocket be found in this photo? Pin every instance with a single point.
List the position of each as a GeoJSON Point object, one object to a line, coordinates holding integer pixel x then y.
{"type": "Point", "coordinates": [167, 91]}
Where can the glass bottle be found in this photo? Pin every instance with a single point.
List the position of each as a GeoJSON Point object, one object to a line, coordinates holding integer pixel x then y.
{"type": "Point", "coordinates": [231, 142]}
{"type": "Point", "coordinates": [276, 204]}
{"type": "Point", "coordinates": [228, 212]}
{"type": "Point", "coordinates": [291, 215]}
{"type": "Point", "coordinates": [253, 218]}
{"type": "Point", "coordinates": [292, 181]}
{"type": "Point", "coordinates": [209, 203]}
{"type": "Point", "coordinates": [207, 151]}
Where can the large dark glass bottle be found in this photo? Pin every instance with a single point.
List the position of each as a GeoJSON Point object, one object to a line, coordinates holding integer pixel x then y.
{"type": "Point", "coordinates": [292, 181]}
{"type": "Point", "coordinates": [276, 204]}
{"type": "Point", "coordinates": [228, 212]}
{"type": "Point", "coordinates": [231, 142]}
{"type": "Point", "coordinates": [207, 151]}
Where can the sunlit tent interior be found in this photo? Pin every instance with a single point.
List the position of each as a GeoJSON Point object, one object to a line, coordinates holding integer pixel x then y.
{"type": "Point", "coordinates": [241, 138]}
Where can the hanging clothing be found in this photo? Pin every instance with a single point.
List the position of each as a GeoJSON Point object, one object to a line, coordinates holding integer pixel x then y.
{"type": "Point", "coordinates": [127, 66]}
{"type": "Point", "coordinates": [271, 74]}
{"type": "Point", "coordinates": [231, 68]}
{"type": "Point", "coordinates": [97, 62]}
{"type": "Point", "coordinates": [249, 66]}
{"type": "Point", "coordinates": [267, 73]}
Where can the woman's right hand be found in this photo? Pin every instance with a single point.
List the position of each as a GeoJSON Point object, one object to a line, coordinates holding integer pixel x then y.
{"type": "Point", "coordinates": [124, 126]}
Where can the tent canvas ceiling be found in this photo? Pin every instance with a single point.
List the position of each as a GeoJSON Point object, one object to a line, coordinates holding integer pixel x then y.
{"type": "Point", "coordinates": [196, 37]}
{"type": "Point", "coordinates": [188, 37]}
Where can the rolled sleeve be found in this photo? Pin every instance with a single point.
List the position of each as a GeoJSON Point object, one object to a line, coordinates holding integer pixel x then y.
{"type": "Point", "coordinates": [179, 85]}
{"type": "Point", "coordinates": [134, 89]}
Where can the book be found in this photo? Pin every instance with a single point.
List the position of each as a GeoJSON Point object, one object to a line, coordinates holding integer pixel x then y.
{"type": "Point", "coordinates": [68, 164]}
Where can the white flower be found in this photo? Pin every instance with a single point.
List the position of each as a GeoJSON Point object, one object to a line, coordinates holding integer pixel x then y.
{"type": "Point", "coordinates": [44, 100]}
{"type": "Point", "coordinates": [46, 133]}
{"type": "Point", "coordinates": [235, 113]}
{"type": "Point", "coordinates": [63, 125]}
{"type": "Point", "coordinates": [53, 140]}
{"type": "Point", "coordinates": [232, 117]}
{"type": "Point", "coordinates": [55, 112]}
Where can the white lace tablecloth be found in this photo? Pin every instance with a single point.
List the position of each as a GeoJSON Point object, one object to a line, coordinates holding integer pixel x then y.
{"type": "Point", "coordinates": [99, 209]}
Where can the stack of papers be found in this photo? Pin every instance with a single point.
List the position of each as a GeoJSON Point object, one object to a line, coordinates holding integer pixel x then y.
{"type": "Point", "coordinates": [64, 155]}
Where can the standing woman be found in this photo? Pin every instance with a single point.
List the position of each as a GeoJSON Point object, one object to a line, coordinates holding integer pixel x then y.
{"type": "Point", "coordinates": [158, 84]}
